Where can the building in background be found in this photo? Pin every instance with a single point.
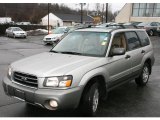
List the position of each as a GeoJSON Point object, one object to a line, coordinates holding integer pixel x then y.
{"type": "Point", "coordinates": [139, 12]}
{"type": "Point", "coordinates": [71, 19]}
{"type": "Point", "coordinates": [54, 21]}
{"type": "Point", "coordinates": [60, 19]}
{"type": "Point", "coordinates": [4, 20]}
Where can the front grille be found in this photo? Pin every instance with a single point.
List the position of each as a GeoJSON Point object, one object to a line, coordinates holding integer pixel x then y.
{"type": "Point", "coordinates": [25, 79]}
{"type": "Point", "coordinates": [48, 38]}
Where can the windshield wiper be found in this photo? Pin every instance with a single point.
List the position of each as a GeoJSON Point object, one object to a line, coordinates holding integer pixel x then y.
{"type": "Point", "coordinates": [54, 51]}
{"type": "Point", "coordinates": [73, 53]}
{"type": "Point", "coordinates": [66, 52]}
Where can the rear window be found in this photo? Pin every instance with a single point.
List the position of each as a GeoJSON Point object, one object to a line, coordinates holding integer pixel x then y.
{"type": "Point", "coordinates": [133, 41]}
{"type": "Point", "coordinates": [143, 38]}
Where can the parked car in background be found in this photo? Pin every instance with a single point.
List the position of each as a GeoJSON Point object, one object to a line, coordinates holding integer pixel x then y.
{"type": "Point", "coordinates": [132, 23]}
{"type": "Point", "coordinates": [56, 34]}
{"type": "Point", "coordinates": [116, 25]}
{"type": "Point", "coordinates": [120, 26]}
{"type": "Point", "coordinates": [15, 32]}
{"type": "Point", "coordinates": [158, 31]}
{"type": "Point", "coordinates": [150, 27]}
{"type": "Point", "coordinates": [103, 25]}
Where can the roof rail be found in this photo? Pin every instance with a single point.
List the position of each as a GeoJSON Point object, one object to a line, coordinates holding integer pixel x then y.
{"type": "Point", "coordinates": [85, 26]}
{"type": "Point", "coordinates": [118, 26]}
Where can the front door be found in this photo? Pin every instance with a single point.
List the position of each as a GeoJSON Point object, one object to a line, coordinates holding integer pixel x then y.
{"type": "Point", "coordinates": [119, 67]}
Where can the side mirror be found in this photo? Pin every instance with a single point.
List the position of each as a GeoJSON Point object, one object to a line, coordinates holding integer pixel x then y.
{"type": "Point", "coordinates": [117, 51]}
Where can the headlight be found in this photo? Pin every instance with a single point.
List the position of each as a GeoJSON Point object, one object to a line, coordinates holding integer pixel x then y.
{"type": "Point", "coordinates": [52, 82]}
{"type": "Point", "coordinates": [62, 81]}
{"type": "Point", "coordinates": [9, 72]}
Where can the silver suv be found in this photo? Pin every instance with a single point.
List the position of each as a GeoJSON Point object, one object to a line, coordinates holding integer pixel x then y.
{"type": "Point", "coordinates": [81, 69]}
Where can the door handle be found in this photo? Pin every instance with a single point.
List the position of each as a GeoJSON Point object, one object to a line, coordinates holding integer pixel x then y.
{"type": "Point", "coordinates": [127, 56]}
{"type": "Point", "coordinates": [143, 51]}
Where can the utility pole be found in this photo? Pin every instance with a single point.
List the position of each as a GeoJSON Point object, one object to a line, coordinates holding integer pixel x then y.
{"type": "Point", "coordinates": [106, 12]}
{"type": "Point", "coordinates": [48, 16]}
{"type": "Point", "coordinates": [102, 13]}
{"type": "Point", "coordinates": [81, 12]}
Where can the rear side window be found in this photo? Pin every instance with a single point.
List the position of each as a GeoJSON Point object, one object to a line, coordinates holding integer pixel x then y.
{"type": "Point", "coordinates": [143, 38]}
{"type": "Point", "coordinates": [133, 41]}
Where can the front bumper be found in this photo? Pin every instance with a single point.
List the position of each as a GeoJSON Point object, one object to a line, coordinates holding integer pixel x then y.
{"type": "Point", "coordinates": [50, 41]}
{"type": "Point", "coordinates": [66, 99]}
{"type": "Point", "coordinates": [19, 35]}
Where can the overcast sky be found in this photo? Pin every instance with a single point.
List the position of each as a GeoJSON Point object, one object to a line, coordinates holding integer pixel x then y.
{"type": "Point", "coordinates": [114, 6]}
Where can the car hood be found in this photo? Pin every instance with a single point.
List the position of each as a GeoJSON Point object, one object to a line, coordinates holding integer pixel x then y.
{"type": "Point", "coordinates": [19, 32]}
{"type": "Point", "coordinates": [52, 64]}
{"type": "Point", "coordinates": [53, 35]}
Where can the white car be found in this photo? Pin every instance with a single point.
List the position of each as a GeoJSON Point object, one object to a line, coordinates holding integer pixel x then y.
{"type": "Point", "coordinates": [56, 35]}
{"type": "Point", "coordinates": [15, 32]}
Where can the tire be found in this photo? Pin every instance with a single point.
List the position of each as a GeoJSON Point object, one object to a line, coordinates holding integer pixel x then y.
{"type": "Point", "coordinates": [151, 33]}
{"type": "Point", "coordinates": [90, 100]}
{"type": "Point", "coordinates": [14, 36]}
{"type": "Point", "coordinates": [45, 43]}
{"type": "Point", "coordinates": [142, 80]}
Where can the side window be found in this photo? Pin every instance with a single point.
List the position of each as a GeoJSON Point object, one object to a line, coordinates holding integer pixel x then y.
{"type": "Point", "coordinates": [133, 41]}
{"type": "Point", "coordinates": [143, 38]}
{"type": "Point", "coordinates": [119, 41]}
{"type": "Point", "coordinates": [153, 24]}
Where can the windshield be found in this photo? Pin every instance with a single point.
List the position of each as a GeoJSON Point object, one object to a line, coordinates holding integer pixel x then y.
{"type": "Point", "coordinates": [84, 43]}
{"type": "Point", "coordinates": [17, 29]}
{"type": "Point", "coordinates": [59, 30]}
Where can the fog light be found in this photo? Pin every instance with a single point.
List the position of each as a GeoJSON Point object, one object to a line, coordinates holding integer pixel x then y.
{"type": "Point", "coordinates": [53, 103]}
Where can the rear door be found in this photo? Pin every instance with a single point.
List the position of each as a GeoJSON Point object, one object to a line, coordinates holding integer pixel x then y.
{"type": "Point", "coordinates": [135, 48]}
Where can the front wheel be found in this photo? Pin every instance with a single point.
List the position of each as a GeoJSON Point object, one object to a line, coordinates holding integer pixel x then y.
{"type": "Point", "coordinates": [151, 33]}
{"type": "Point", "coordinates": [142, 80]}
{"type": "Point", "coordinates": [90, 100]}
{"type": "Point", "coordinates": [14, 36]}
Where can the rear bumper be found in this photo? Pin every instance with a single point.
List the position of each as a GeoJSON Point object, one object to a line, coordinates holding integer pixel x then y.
{"type": "Point", "coordinates": [66, 99]}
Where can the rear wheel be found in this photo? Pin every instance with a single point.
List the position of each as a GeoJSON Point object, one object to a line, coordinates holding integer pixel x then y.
{"type": "Point", "coordinates": [90, 100]}
{"type": "Point", "coordinates": [144, 76]}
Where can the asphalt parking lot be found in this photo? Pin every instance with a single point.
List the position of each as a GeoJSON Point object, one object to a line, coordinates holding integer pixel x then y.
{"type": "Point", "coordinates": [125, 101]}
